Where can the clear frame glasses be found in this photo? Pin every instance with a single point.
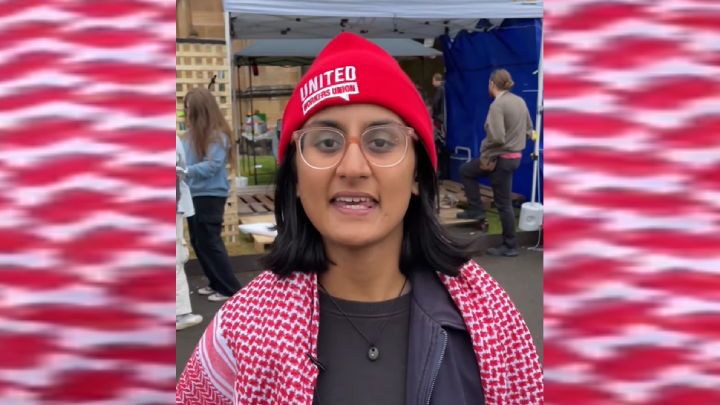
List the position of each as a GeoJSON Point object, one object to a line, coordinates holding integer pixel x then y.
{"type": "Point", "coordinates": [383, 146]}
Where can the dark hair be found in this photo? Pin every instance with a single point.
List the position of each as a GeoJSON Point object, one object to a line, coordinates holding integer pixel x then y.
{"type": "Point", "coordinates": [437, 77]}
{"type": "Point", "coordinates": [426, 243]}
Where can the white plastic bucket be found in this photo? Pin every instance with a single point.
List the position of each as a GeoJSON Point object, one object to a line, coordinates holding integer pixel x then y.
{"type": "Point", "coordinates": [241, 182]}
{"type": "Point", "coordinates": [531, 217]}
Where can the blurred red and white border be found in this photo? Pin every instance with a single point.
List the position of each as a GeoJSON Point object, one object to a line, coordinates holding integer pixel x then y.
{"type": "Point", "coordinates": [86, 196]}
{"type": "Point", "coordinates": [632, 180]}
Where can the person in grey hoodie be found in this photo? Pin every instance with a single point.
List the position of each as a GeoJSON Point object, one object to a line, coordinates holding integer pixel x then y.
{"type": "Point", "coordinates": [184, 318]}
{"type": "Point", "coordinates": [508, 128]}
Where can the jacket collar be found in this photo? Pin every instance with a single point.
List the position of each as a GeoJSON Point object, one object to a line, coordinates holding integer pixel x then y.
{"type": "Point", "coordinates": [433, 299]}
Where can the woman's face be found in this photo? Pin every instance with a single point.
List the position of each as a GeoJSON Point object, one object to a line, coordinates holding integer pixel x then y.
{"type": "Point", "coordinates": [356, 203]}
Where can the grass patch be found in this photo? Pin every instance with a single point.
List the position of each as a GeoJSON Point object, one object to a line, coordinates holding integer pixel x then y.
{"type": "Point", "coordinates": [265, 166]}
{"type": "Point", "coordinates": [494, 224]}
{"type": "Point", "coordinates": [245, 246]}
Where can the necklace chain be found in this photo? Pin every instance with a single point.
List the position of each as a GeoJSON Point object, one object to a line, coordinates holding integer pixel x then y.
{"type": "Point", "coordinates": [387, 318]}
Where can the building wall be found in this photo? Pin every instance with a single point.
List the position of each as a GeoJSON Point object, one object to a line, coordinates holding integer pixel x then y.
{"type": "Point", "coordinates": [207, 21]}
{"type": "Point", "coordinates": [422, 70]}
{"type": "Point", "coordinates": [204, 19]}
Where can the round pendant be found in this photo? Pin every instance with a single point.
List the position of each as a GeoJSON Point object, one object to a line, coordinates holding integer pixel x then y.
{"type": "Point", "coordinates": [373, 353]}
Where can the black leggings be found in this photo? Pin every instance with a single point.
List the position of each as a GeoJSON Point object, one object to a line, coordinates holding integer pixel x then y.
{"type": "Point", "coordinates": [443, 155]}
{"type": "Point", "coordinates": [205, 237]}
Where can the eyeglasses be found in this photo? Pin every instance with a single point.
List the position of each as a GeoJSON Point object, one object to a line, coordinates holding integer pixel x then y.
{"type": "Point", "coordinates": [383, 146]}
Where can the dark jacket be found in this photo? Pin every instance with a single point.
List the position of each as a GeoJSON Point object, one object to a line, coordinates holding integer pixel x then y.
{"type": "Point", "coordinates": [442, 366]}
{"type": "Point", "coordinates": [262, 345]}
{"type": "Point", "coordinates": [439, 104]}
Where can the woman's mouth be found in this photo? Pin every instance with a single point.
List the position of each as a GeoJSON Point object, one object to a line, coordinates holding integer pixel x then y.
{"type": "Point", "coordinates": [354, 206]}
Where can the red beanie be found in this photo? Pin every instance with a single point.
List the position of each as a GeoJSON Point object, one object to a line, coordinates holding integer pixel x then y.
{"type": "Point", "coordinates": [353, 70]}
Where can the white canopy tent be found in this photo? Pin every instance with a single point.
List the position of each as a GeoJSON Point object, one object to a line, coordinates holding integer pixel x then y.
{"type": "Point", "coordinates": [302, 52]}
{"type": "Point", "coordinates": [267, 19]}
{"type": "Point", "coordinates": [315, 19]}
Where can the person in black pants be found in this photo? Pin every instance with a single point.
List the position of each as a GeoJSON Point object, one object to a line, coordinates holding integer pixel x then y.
{"type": "Point", "coordinates": [438, 103]}
{"type": "Point", "coordinates": [501, 181]}
{"type": "Point", "coordinates": [209, 149]}
{"type": "Point", "coordinates": [205, 238]}
{"type": "Point", "coordinates": [508, 127]}
{"type": "Point", "coordinates": [443, 154]}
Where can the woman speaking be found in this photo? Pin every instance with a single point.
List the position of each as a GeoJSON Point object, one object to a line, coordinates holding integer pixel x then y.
{"type": "Point", "coordinates": [367, 299]}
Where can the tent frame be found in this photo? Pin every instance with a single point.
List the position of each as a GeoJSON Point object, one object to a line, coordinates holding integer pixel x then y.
{"type": "Point", "coordinates": [538, 121]}
{"type": "Point", "coordinates": [536, 168]}
{"type": "Point", "coordinates": [231, 77]}
{"type": "Point", "coordinates": [283, 19]}
{"type": "Point", "coordinates": [303, 52]}
{"type": "Point", "coordinates": [251, 62]}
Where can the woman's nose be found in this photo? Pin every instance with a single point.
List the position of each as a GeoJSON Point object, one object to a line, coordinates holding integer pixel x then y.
{"type": "Point", "coordinates": [354, 163]}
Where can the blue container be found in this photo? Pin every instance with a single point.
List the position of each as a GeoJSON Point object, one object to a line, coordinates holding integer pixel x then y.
{"type": "Point", "coordinates": [457, 159]}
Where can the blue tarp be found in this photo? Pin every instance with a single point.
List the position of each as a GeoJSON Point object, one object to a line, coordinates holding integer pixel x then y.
{"type": "Point", "coordinates": [470, 59]}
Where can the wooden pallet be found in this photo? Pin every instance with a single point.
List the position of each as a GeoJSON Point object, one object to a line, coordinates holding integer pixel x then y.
{"type": "Point", "coordinates": [261, 241]}
{"type": "Point", "coordinates": [255, 200]}
{"type": "Point", "coordinates": [448, 216]}
{"type": "Point", "coordinates": [255, 204]}
{"type": "Point", "coordinates": [486, 193]}
{"type": "Point", "coordinates": [458, 191]}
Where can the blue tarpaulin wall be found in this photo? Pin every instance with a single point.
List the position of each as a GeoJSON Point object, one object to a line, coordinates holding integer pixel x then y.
{"type": "Point", "coordinates": [470, 59]}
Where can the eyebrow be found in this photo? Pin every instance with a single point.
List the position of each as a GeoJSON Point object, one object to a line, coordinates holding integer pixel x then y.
{"type": "Point", "coordinates": [337, 125]}
{"type": "Point", "coordinates": [381, 123]}
{"type": "Point", "coordinates": [325, 123]}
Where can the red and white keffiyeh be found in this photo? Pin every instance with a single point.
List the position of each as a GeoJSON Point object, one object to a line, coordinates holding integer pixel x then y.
{"type": "Point", "coordinates": [254, 352]}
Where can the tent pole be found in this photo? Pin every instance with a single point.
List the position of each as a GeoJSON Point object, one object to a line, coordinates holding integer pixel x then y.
{"type": "Point", "coordinates": [245, 161]}
{"type": "Point", "coordinates": [252, 120]}
{"type": "Point", "coordinates": [538, 126]}
{"type": "Point", "coordinates": [231, 81]}
{"type": "Point", "coordinates": [422, 74]}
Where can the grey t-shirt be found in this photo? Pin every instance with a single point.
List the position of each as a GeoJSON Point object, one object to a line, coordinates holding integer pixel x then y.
{"type": "Point", "coordinates": [350, 378]}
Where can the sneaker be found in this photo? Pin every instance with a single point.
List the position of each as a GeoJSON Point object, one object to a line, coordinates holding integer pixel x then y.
{"type": "Point", "coordinates": [217, 297]}
{"type": "Point", "coordinates": [187, 321]}
{"type": "Point", "coordinates": [477, 216]}
{"type": "Point", "coordinates": [206, 291]}
{"type": "Point", "coordinates": [502, 251]}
